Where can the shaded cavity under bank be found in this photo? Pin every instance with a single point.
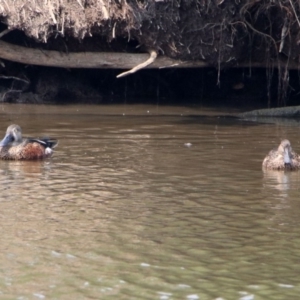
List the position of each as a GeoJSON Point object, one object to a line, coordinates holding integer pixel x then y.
{"type": "Point", "coordinates": [238, 87]}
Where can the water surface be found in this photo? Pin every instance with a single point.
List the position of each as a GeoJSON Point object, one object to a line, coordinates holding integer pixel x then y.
{"type": "Point", "coordinates": [148, 202]}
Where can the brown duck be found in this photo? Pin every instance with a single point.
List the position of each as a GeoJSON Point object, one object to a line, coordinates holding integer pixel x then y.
{"type": "Point", "coordinates": [15, 147]}
{"type": "Point", "coordinates": [282, 158]}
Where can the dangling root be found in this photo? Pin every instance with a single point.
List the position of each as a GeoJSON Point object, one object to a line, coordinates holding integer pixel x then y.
{"type": "Point", "coordinates": [149, 61]}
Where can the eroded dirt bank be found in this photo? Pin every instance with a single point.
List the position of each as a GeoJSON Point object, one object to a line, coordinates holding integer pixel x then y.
{"type": "Point", "coordinates": [221, 33]}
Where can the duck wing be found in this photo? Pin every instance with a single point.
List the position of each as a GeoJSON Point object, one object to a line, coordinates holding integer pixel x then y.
{"type": "Point", "coordinates": [45, 142]}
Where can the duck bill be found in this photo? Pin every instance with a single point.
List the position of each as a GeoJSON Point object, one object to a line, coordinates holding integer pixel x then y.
{"type": "Point", "coordinates": [286, 157]}
{"type": "Point", "coordinates": [6, 140]}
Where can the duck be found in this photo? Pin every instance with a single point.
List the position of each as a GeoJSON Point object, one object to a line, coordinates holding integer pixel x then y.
{"type": "Point", "coordinates": [14, 147]}
{"type": "Point", "coordinates": [282, 158]}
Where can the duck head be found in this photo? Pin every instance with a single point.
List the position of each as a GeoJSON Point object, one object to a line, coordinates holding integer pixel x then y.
{"type": "Point", "coordinates": [285, 150]}
{"type": "Point", "coordinates": [13, 136]}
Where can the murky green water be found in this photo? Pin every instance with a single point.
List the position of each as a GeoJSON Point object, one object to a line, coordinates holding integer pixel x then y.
{"type": "Point", "coordinates": [126, 210]}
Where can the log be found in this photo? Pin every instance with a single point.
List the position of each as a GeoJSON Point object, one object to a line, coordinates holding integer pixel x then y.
{"type": "Point", "coordinates": [110, 60]}
{"type": "Point", "coordinates": [282, 112]}
{"type": "Point", "coordinates": [96, 60]}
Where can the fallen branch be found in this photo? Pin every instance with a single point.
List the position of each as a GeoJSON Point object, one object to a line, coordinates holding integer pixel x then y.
{"type": "Point", "coordinates": [3, 95]}
{"type": "Point", "coordinates": [150, 60]}
{"type": "Point", "coordinates": [4, 32]}
{"type": "Point", "coordinates": [14, 78]}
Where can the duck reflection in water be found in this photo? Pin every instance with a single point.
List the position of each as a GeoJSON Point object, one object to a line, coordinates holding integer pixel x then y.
{"type": "Point", "coordinates": [282, 158]}
{"type": "Point", "coordinates": [15, 147]}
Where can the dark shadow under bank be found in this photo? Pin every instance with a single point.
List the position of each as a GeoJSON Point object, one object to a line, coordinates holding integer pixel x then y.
{"type": "Point", "coordinates": [237, 86]}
